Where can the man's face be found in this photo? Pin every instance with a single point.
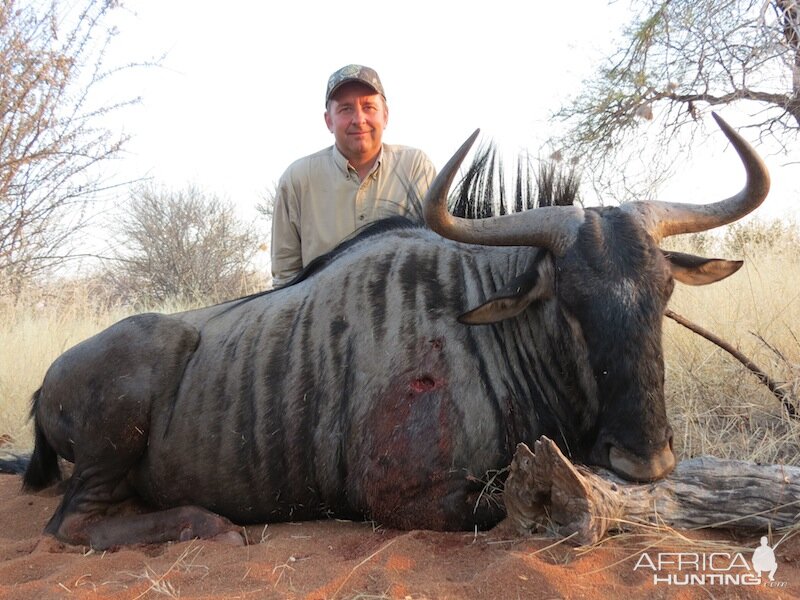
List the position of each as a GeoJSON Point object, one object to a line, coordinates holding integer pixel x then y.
{"type": "Point", "coordinates": [356, 117]}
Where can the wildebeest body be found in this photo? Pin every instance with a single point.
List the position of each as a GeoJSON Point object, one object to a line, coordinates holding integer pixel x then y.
{"type": "Point", "coordinates": [349, 397]}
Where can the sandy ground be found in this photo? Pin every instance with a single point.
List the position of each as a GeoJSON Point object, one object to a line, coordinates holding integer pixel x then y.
{"type": "Point", "coordinates": [337, 559]}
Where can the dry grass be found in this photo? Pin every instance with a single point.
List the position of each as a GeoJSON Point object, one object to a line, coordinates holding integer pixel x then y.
{"type": "Point", "coordinates": [35, 328]}
{"type": "Point", "coordinates": [159, 584]}
{"type": "Point", "coordinates": [716, 406]}
{"type": "Point", "coordinates": [639, 538]}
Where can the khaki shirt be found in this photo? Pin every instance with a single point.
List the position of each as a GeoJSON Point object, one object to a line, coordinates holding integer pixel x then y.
{"type": "Point", "coordinates": [320, 201]}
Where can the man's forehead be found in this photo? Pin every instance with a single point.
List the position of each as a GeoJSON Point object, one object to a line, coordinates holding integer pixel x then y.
{"type": "Point", "coordinates": [354, 91]}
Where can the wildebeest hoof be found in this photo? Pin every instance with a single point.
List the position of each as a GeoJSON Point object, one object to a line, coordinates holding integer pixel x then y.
{"type": "Point", "coordinates": [231, 538]}
{"type": "Point", "coordinates": [200, 523]}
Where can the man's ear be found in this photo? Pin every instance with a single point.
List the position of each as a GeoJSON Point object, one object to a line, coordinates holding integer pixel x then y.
{"type": "Point", "coordinates": [328, 121]}
{"type": "Point", "coordinates": [697, 270]}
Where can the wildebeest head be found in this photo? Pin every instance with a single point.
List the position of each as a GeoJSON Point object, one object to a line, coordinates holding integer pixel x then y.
{"type": "Point", "coordinates": [612, 283]}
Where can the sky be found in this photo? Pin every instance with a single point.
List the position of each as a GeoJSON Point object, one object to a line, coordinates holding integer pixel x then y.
{"type": "Point", "coordinates": [240, 91]}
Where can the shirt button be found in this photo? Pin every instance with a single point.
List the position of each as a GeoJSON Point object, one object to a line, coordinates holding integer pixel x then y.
{"type": "Point", "coordinates": [360, 217]}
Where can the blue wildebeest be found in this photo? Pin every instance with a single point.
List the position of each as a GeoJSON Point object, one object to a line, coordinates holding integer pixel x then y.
{"type": "Point", "coordinates": [387, 379]}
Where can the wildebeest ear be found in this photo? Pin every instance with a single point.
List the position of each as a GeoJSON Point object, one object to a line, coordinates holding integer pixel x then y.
{"type": "Point", "coordinates": [696, 270]}
{"type": "Point", "coordinates": [511, 300]}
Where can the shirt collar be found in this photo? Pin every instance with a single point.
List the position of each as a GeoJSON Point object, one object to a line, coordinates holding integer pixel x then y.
{"type": "Point", "coordinates": [341, 162]}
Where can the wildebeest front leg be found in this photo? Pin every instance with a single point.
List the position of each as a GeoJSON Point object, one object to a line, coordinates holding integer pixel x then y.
{"type": "Point", "coordinates": [175, 524]}
{"type": "Point", "coordinates": [100, 509]}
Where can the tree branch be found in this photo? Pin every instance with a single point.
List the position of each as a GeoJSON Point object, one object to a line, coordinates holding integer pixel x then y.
{"type": "Point", "coordinates": [780, 390]}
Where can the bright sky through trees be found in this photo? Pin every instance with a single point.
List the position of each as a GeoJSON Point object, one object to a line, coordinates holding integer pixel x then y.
{"type": "Point", "coordinates": [241, 91]}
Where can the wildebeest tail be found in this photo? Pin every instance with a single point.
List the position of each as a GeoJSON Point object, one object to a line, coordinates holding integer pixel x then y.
{"type": "Point", "coordinates": [43, 468]}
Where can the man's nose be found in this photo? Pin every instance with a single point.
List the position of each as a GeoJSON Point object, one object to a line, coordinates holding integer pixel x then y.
{"type": "Point", "coordinates": [358, 115]}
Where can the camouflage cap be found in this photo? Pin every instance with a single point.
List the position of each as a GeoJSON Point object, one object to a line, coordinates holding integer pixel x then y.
{"type": "Point", "coordinates": [357, 73]}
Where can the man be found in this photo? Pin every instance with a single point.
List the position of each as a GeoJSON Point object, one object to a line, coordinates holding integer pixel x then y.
{"type": "Point", "coordinates": [325, 197]}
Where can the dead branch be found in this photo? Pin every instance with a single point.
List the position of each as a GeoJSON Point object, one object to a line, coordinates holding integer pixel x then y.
{"type": "Point", "coordinates": [779, 390]}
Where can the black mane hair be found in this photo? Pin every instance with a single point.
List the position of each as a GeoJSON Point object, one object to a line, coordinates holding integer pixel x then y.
{"type": "Point", "coordinates": [482, 193]}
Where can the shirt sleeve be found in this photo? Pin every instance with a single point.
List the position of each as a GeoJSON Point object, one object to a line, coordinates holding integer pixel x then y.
{"type": "Point", "coordinates": [286, 254]}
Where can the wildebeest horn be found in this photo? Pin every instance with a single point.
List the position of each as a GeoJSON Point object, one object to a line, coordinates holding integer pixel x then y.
{"type": "Point", "coordinates": [663, 219]}
{"type": "Point", "coordinates": [552, 227]}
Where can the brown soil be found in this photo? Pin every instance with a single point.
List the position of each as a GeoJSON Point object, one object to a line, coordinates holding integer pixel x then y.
{"type": "Point", "coordinates": [334, 559]}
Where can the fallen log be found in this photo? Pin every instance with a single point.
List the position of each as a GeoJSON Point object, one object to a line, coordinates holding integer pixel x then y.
{"type": "Point", "coordinates": [544, 491]}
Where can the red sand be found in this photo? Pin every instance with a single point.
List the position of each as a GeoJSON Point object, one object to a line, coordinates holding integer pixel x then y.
{"type": "Point", "coordinates": [332, 559]}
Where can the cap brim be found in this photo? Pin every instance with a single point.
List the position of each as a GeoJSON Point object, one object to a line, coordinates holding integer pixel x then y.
{"type": "Point", "coordinates": [351, 80]}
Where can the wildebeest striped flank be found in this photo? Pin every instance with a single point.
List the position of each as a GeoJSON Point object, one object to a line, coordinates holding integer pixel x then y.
{"type": "Point", "coordinates": [387, 379]}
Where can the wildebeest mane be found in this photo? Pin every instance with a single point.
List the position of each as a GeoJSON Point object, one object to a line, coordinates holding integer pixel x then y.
{"type": "Point", "coordinates": [481, 192]}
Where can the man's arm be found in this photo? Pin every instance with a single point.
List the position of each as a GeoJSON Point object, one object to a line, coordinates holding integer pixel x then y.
{"type": "Point", "coordinates": [287, 259]}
